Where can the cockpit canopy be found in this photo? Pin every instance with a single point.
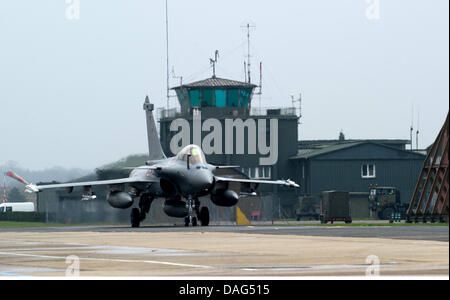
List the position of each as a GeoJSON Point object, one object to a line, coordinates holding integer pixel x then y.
{"type": "Point", "coordinates": [195, 153]}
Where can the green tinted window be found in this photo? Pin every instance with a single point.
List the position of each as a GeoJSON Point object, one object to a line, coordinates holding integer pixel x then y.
{"type": "Point", "coordinates": [221, 98]}
{"type": "Point", "coordinates": [244, 97]}
{"type": "Point", "coordinates": [233, 98]}
{"type": "Point", "coordinates": [195, 98]}
{"type": "Point", "coordinates": [207, 98]}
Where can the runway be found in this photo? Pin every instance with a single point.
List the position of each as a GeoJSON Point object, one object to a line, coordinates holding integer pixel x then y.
{"type": "Point", "coordinates": [225, 251]}
{"type": "Point", "coordinates": [430, 233]}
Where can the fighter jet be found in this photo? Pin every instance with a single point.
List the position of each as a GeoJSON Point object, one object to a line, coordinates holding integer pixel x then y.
{"type": "Point", "coordinates": [180, 180]}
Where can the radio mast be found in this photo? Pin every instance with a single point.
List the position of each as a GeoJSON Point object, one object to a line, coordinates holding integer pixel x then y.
{"type": "Point", "coordinates": [411, 130]}
{"type": "Point", "coordinates": [167, 53]}
{"type": "Point", "coordinates": [249, 64]}
{"type": "Point", "coordinates": [418, 130]}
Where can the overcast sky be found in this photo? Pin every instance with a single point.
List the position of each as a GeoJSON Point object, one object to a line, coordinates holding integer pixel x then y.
{"type": "Point", "coordinates": [71, 91]}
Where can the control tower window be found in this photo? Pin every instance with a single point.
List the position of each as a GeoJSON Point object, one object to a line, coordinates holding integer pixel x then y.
{"type": "Point", "coordinates": [244, 97]}
{"type": "Point", "coordinates": [233, 98]}
{"type": "Point", "coordinates": [195, 98]}
{"type": "Point", "coordinates": [221, 98]}
{"type": "Point", "coordinates": [207, 98]}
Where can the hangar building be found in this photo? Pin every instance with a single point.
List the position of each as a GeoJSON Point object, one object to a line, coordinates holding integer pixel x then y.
{"type": "Point", "coordinates": [355, 165]}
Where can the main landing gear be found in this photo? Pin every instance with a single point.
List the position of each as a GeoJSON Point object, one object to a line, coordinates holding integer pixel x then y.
{"type": "Point", "coordinates": [139, 214]}
{"type": "Point", "coordinates": [195, 214]}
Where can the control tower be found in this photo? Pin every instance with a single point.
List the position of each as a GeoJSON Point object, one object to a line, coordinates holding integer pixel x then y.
{"type": "Point", "coordinates": [225, 100]}
{"type": "Point", "coordinates": [216, 96]}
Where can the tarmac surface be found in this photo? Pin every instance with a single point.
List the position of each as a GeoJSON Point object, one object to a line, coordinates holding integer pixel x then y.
{"type": "Point", "coordinates": [426, 233]}
{"type": "Point", "coordinates": [225, 251]}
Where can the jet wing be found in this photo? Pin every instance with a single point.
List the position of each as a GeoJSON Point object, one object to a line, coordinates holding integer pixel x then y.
{"type": "Point", "coordinates": [31, 188]}
{"type": "Point", "coordinates": [287, 183]}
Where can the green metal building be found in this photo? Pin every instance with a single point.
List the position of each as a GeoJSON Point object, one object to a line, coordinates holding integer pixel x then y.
{"type": "Point", "coordinates": [356, 165]}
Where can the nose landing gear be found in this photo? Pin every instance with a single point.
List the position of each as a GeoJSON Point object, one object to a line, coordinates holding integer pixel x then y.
{"type": "Point", "coordinates": [196, 214]}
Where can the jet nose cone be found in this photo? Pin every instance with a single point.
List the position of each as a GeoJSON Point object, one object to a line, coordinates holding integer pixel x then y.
{"type": "Point", "coordinates": [207, 180]}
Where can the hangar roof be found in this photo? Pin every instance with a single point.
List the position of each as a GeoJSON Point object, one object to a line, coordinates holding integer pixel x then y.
{"type": "Point", "coordinates": [312, 152]}
{"type": "Point", "coordinates": [323, 149]}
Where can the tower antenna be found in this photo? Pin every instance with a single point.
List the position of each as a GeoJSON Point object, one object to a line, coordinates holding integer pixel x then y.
{"type": "Point", "coordinates": [299, 101]}
{"type": "Point", "coordinates": [418, 130]}
{"type": "Point", "coordinates": [245, 71]}
{"type": "Point", "coordinates": [214, 62]}
{"type": "Point", "coordinates": [260, 84]}
{"type": "Point", "coordinates": [174, 75]}
{"type": "Point", "coordinates": [412, 128]}
{"type": "Point", "coordinates": [249, 78]}
{"type": "Point", "coordinates": [167, 53]}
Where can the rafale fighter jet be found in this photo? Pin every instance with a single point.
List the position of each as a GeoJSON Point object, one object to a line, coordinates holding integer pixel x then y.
{"type": "Point", "coordinates": [181, 180]}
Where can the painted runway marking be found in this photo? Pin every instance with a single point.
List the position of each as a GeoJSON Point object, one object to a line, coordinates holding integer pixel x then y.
{"type": "Point", "coordinates": [13, 274]}
{"type": "Point", "coordinates": [110, 260]}
{"type": "Point", "coordinates": [302, 269]}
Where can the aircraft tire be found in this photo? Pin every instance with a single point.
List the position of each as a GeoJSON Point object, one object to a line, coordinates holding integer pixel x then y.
{"type": "Point", "coordinates": [204, 216]}
{"type": "Point", "coordinates": [135, 218]}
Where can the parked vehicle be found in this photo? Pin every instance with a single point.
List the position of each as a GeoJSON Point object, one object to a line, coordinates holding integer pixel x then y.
{"type": "Point", "coordinates": [17, 207]}
{"type": "Point", "coordinates": [335, 206]}
{"type": "Point", "coordinates": [385, 202]}
{"type": "Point", "coordinates": [308, 207]}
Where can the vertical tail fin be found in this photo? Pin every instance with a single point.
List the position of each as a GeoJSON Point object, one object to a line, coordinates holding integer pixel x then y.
{"type": "Point", "coordinates": [155, 151]}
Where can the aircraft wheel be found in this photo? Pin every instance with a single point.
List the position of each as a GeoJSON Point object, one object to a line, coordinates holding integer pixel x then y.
{"type": "Point", "coordinates": [135, 218]}
{"type": "Point", "coordinates": [204, 216]}
{"type": "Point", "coordinates": [194, 222]}
{"type": "Point", "coordinates": [186, 222]}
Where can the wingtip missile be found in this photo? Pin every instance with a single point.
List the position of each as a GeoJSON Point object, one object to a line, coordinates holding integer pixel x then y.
{"type": "Point", "coordinates": [31, 188]}
{"type": "Point", "coordinates": [291, 183]}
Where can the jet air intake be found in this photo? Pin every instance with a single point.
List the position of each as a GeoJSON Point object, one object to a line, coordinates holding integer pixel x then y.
{"type": "Point", "coordinates": [119, 199]}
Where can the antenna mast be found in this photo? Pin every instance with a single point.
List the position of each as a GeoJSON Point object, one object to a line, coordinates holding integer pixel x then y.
{"type": "Point", "coordinates": [418, 130]}
{"type": "Point", "coordinates": [299, 101]}
{"type": "Point", "coordinates": [249, 78]}
{"type": "Point", "coordinates": [167, 53]}
{"type": "Point", "coordinates": [260, 84]}
{"type": "Point", "coordinates": [174, 75]}
{"type": "Point", "coordinates": [248, 58]}
{"type": "Point", "coordinates": [412, 128]}
{"type": "Point", "coordinates": [245, 71]}
{"type": "Point", "coordinates": [214, 62]}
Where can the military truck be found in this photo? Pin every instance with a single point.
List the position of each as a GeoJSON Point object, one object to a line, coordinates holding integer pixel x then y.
{"type": "Point", "coordinates": [308, 208]}
{"type": "Point", "coordinates": [385, 201]}
{"type": "Point", "coordinates": [335, 206]}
